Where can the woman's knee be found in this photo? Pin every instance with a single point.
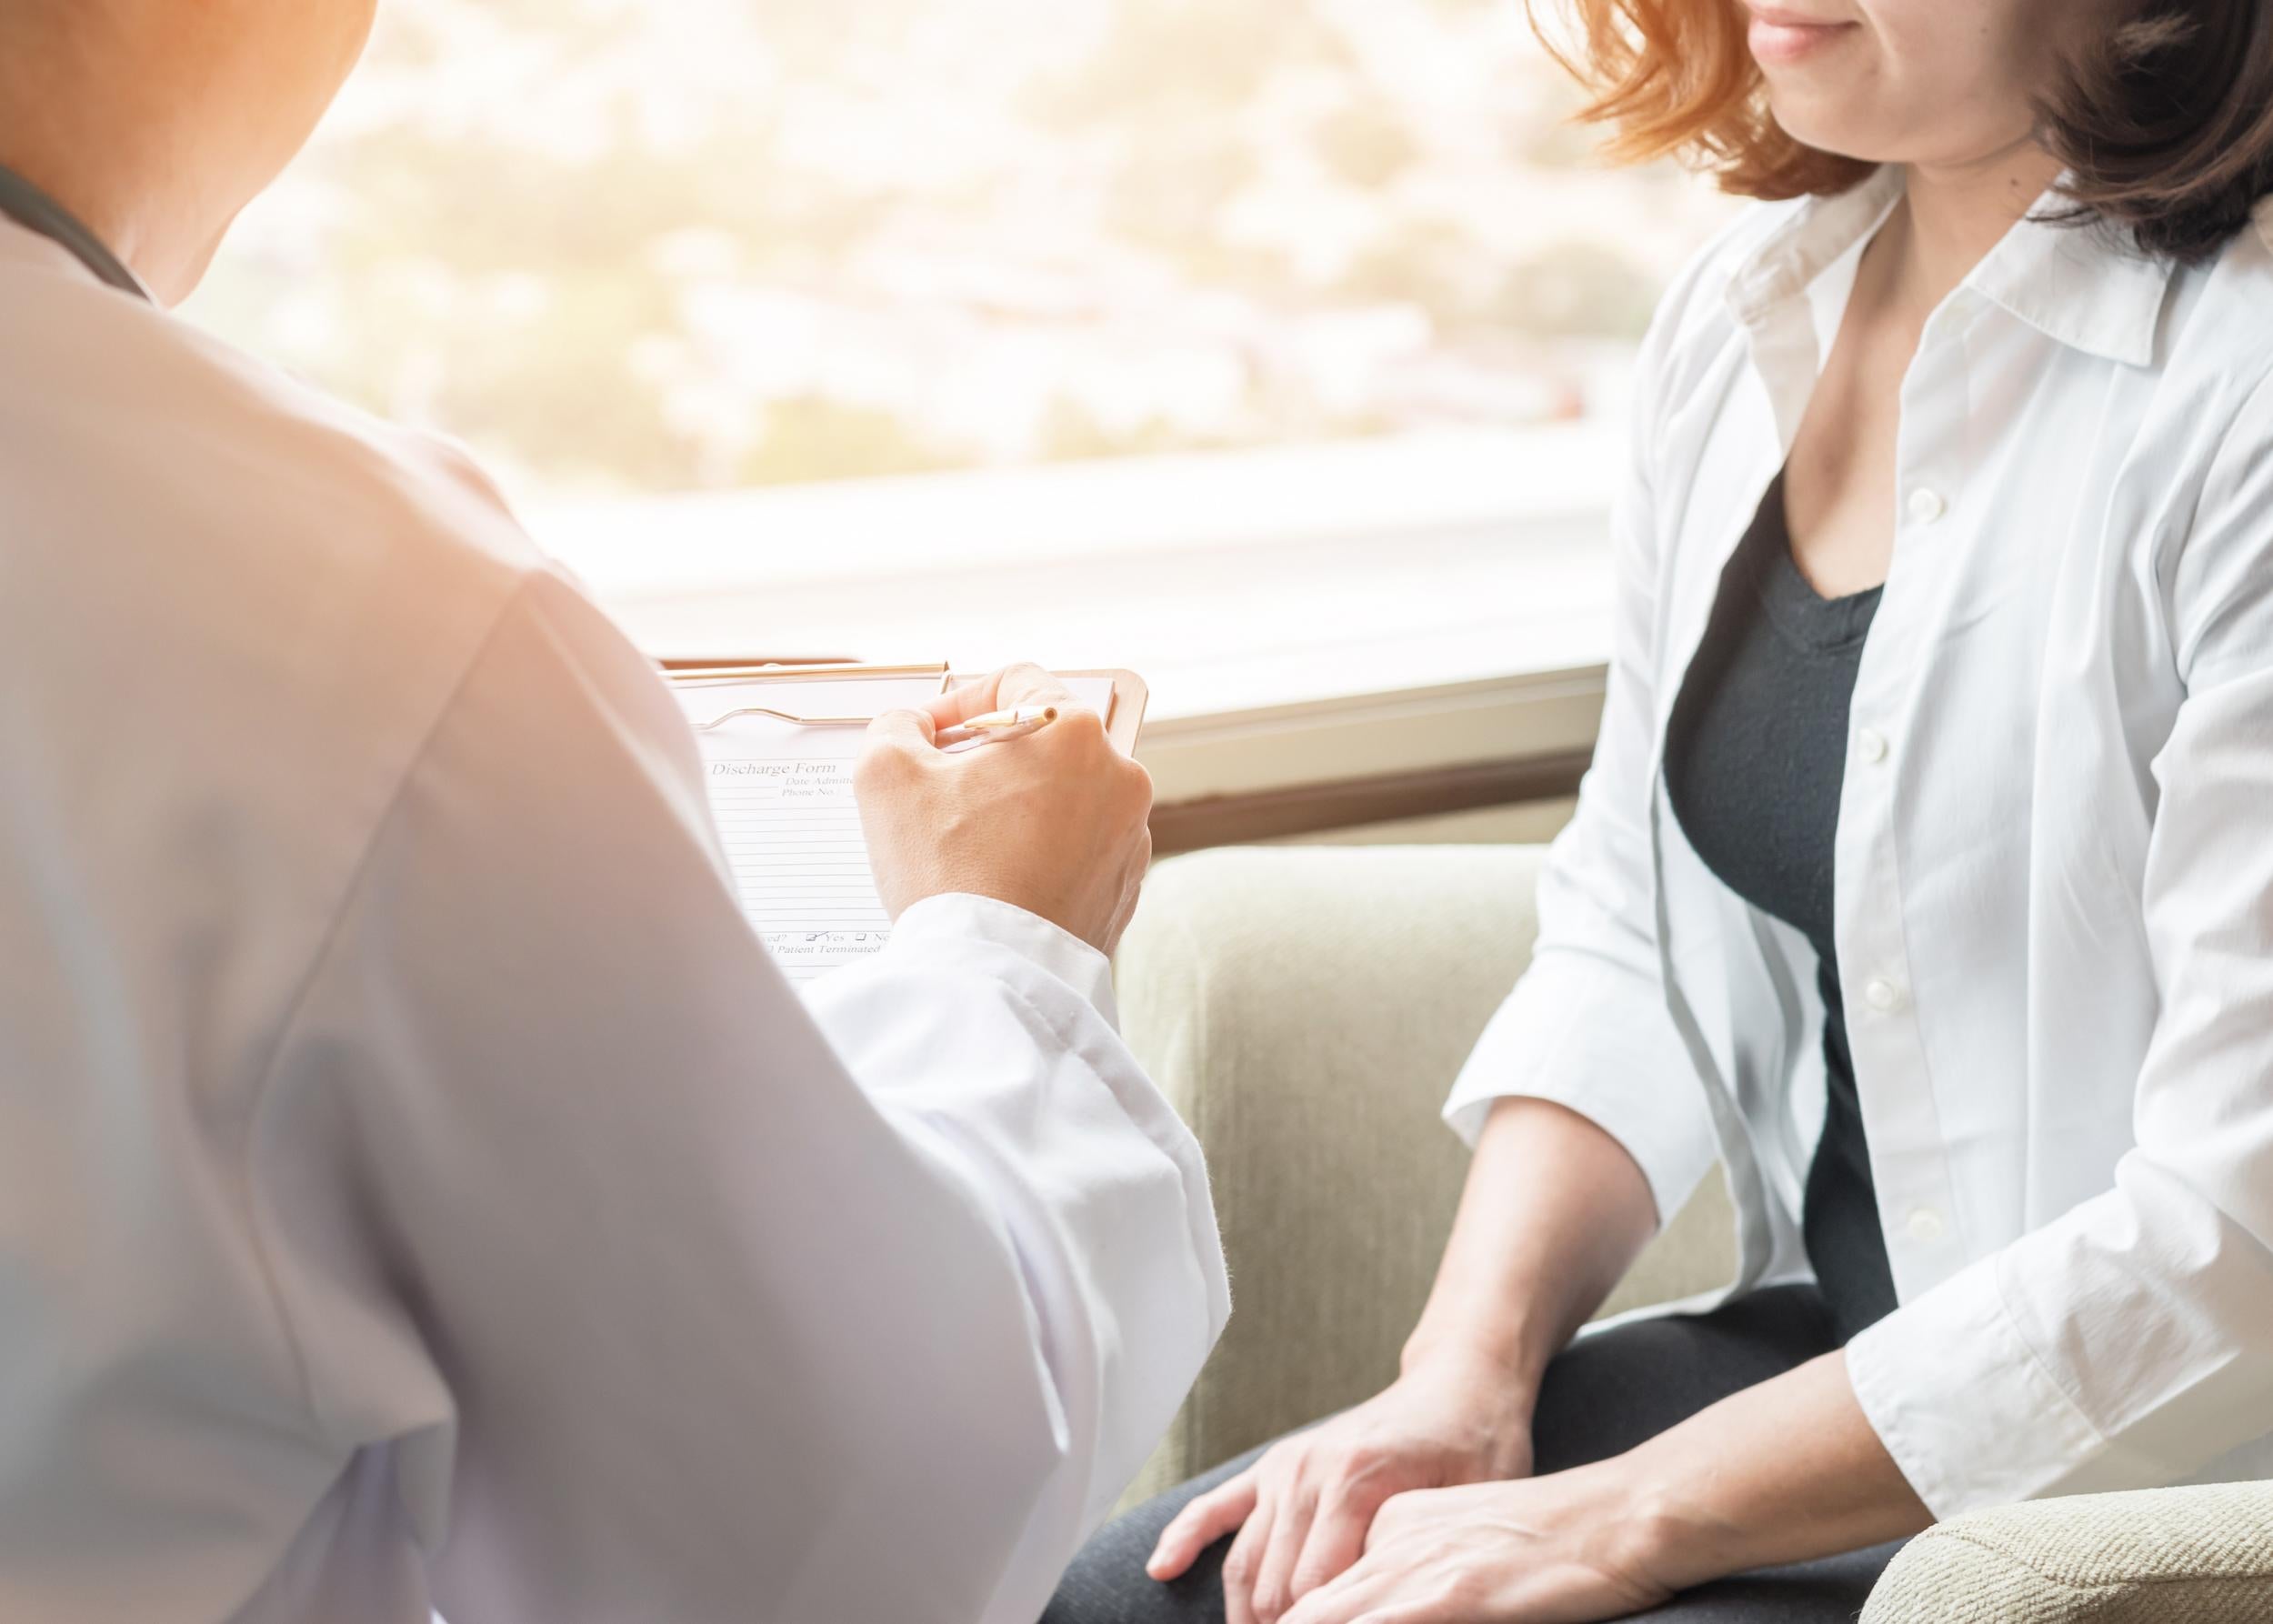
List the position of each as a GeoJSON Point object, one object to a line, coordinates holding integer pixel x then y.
{"type": "Point", "coordinates": [1108, 1583]}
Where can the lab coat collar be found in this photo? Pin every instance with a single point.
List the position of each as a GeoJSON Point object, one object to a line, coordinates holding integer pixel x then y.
{"type": "Point", "coordinates": [2080, 284]}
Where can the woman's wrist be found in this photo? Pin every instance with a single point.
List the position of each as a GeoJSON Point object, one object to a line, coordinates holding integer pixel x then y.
{"type": "Point", "coordinates": [1498, 1353]}
{"type": "Point", "coordinates": [1784, 1471]}
{"type": "Point", "coordinates": [1492, 1395]}
{"type": "Point", "coordinates": [1509, 1323]}
{"type": "Point", "coordinates": [1666, 1528]}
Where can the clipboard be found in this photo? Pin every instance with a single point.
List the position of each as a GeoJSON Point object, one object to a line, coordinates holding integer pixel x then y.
{"type": "Point", "coordinates": [779, 777]}
{"type": "Point", "coordinates": [1124, 704]}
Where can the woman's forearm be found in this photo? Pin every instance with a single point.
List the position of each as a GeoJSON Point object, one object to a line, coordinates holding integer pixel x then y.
{"type": "Point", "coordinates": [1786, 1471]}
{"type": "Point", "coordinates": [1553, 1213]}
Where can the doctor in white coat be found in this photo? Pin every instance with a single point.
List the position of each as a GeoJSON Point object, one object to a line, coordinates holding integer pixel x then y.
{"type": "Point", "coordinates": [418, 1186]}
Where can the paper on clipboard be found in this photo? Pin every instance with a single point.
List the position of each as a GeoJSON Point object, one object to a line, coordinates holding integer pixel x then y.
{"type": "Point", "coordinates": [782, 796]}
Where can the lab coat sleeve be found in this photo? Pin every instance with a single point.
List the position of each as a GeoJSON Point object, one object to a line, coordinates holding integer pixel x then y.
{"type": "Point", "coordinates": [681, 1297]}
{"type": "Point", "coordinates": [2129, 1342]}
{"type": "Point", "coordinates": [1587, 1025]}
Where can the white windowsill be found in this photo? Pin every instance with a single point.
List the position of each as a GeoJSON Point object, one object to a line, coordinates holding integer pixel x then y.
{"type": "Point", "coordinates": [1301, 615]}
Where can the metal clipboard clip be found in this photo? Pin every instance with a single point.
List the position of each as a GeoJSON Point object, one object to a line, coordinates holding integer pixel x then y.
{"type": "Point", "coordinates": [697, 674]}
{"type": "Point", "coordinates": [1123, 707]}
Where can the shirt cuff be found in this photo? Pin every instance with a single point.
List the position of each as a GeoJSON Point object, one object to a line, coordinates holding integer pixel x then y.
{"type": "Point", "coordinates": [1965, 1407]}
{"type": "Point", "coordinates": [1571, 1033]}
{"type": "Point", "coordinates": [958, 919]}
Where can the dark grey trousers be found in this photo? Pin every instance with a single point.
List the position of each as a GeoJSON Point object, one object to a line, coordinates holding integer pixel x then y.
{"type": "Point", "coordinates": [1601, 1395]}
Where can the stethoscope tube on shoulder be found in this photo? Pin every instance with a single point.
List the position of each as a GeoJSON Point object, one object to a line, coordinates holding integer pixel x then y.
{"type": "Point", "coordinates": [35, 210]}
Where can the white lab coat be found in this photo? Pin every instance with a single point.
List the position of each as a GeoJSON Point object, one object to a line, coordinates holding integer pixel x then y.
{"type": "Point", "coordinates": [418, 1185]}
{"type": "Point", "coordinates": [2054, 897]}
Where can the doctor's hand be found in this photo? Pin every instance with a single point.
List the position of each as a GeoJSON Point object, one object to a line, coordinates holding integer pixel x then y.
{"type": "Point", "coordinates": [1053, 821]}
{"type": "Point", "coordinates": [1303, 1512]}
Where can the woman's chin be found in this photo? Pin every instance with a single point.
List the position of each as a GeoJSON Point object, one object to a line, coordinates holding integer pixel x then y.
{"type": "Point", "coordinates": [1827, 126]}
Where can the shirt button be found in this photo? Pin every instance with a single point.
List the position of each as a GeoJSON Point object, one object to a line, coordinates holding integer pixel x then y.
{"type": "Point", "coordinates": [1871, 744]}
{"type": "Point", "coordinates": [1927, 505]}
{"type": "Point", "coordinates": [1924, 1225]}
{"type": "Point", "coordinates": [1881, 994]}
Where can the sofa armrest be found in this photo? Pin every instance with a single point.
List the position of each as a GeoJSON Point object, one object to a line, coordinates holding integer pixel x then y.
{"type": "Point", "coordinates": [1306, 1008]}
{"type": "Point", "coordinates": [2164, 1556]}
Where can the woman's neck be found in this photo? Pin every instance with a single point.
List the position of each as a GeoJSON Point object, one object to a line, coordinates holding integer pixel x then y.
{"type": "Point", "coordinates": [1953, 215]}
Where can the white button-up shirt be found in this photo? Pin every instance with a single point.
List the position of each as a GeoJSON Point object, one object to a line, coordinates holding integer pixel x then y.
{"type": "Point", "coordinates": [2054, 897]}
{"type": "Point", "coordinates": [417, 1184]}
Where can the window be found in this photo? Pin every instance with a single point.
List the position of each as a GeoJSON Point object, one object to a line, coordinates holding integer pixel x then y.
{"type": "Point", "coordinates": [1256, 342]}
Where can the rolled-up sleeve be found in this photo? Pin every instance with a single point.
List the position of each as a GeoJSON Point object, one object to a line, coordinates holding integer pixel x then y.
{"type": "Point", "coordinates": [1588, 1026]}
{"type": "Point", "coordinates": [677, 1294]}
{"type": "Point", "coordinates": [2129, 1342]}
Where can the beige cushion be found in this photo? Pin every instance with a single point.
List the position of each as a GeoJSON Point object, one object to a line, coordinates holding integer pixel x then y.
{"type": "Point", "coordinates": [2169, 1555]}
{"type": "Point", "coordinates": [1306, 1008]}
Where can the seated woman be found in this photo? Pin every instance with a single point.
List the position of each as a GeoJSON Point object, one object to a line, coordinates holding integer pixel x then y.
{"type": "Point", "coordinates": [1924, 876]}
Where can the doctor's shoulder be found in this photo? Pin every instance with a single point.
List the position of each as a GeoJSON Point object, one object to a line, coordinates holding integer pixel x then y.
{"type": "Point", "coordinates": [309, 583]}
{"type": "Point", "coordinates": [422, 489]}
{"type": "Point", "coordinates": [187, 461]}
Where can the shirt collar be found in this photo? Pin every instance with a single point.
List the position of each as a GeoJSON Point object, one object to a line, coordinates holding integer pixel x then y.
{"type": "Point", "coordinates": [23, 204]}
{"type": "Point", "coordinates": [2082, 285]}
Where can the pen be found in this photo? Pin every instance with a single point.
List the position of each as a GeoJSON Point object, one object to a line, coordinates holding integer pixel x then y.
{"type": "Point", "coordinates": [998, 725]}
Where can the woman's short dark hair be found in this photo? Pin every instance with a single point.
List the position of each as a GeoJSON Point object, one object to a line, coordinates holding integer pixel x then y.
{"type": "Point", "coordinates": [2165, 122]}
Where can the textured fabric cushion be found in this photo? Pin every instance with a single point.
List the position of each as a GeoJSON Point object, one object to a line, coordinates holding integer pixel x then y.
{"type": "Point", "coordinates": [1306, 1007]}
{"type": "Point", "coordinates": [2166, 1556]}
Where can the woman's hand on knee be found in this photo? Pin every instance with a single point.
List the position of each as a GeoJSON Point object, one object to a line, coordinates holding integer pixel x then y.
{"type": "Point", "coordinates": [1569, 1547]}
{"type": "Point", "coordinates": [1301, 1514]}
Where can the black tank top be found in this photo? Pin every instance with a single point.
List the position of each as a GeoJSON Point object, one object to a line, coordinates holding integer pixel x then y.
{"type": "Point", "coordinates": [1754, 753]}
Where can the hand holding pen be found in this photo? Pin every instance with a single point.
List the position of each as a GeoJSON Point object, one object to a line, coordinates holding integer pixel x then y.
{"type": "Point", "coordinates": [997, 725]}
{"type": "Point", "coordinates": [1057, 825]}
